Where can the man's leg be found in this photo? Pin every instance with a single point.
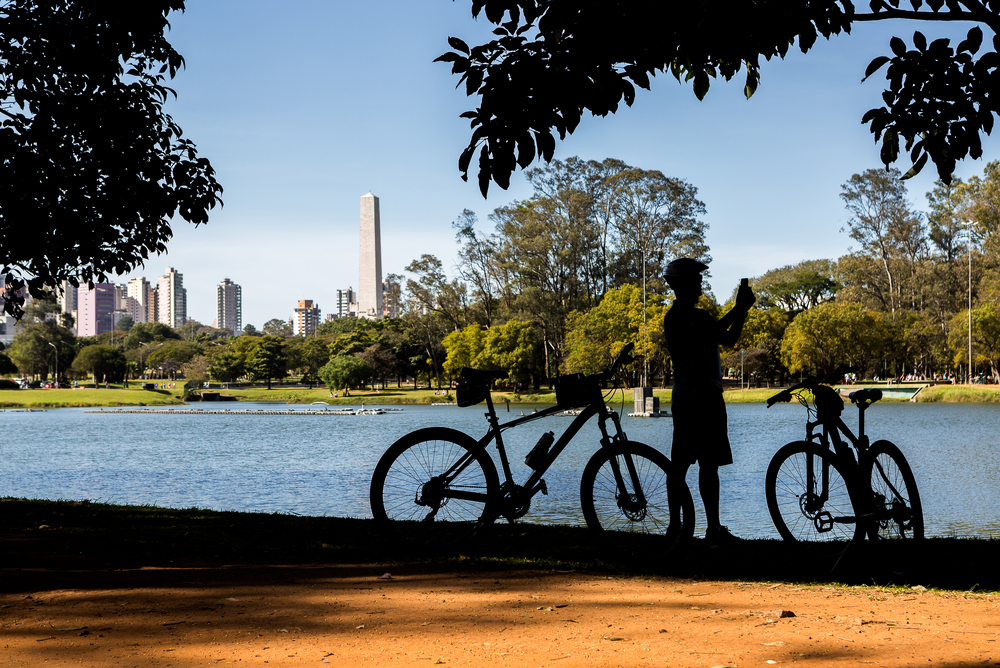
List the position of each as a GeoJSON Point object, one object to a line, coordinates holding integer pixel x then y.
{"type": "Point", "coordinates": [677, 480]}
{"type": "Point", "coordinates": [708, 483]}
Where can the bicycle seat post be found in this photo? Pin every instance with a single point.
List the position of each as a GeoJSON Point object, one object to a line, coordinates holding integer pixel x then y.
{"type": "Point", "coordinates": [861, 420]}
{"type": "Point", "coordinates": [491, 417]}
{"type": "Point", "coordinates": [862, 443]}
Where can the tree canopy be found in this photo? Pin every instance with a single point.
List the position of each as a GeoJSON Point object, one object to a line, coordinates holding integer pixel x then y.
{"type": "Point", "coordinates": [553, 60]}
{"type": "Point", "coordinates": [345, 372]}
{"type": "Point", "coordinates": [87, 153]}
{"type": "Point", "coordinates": [267, 359]}
{"type": "Point", "coordinates": [101, 361]}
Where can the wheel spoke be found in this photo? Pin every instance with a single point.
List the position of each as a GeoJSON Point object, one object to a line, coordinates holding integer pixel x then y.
{"type": "Point", "coordinates": [803, 509]}
{"type": "Point", "coordinates": [635, 521]}
{"type": "Point", "coordinates": [409, 485]}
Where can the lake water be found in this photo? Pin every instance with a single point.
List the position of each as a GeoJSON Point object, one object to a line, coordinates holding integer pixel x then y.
{"type": "Point", "coordinates": [322, 465]}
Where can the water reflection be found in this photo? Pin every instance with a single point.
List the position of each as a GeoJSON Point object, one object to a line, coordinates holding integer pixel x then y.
{"type": "Point", "coordinates": [322, 465]}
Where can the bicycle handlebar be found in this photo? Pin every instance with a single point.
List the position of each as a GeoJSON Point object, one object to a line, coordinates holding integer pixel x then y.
{"type": "Point", "coordinates": [865, 397]}
{"type": "Point", "coordinates": [623, 358]}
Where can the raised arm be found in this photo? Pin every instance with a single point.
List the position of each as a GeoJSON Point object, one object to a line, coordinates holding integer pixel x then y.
{"type": "Point", "coordinates": [731, 324]}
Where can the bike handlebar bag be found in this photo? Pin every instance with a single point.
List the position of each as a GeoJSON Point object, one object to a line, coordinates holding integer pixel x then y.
{"type": "Point", "coordinates": [469, 395]}
{"type": "Point", "coordinates": [575, 390]}
{"type": "Point", "coordinates": [829, 404]}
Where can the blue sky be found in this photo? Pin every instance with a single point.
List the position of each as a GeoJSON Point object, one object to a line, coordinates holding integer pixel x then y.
{"type": "Point", "coordinates": [304, 109]}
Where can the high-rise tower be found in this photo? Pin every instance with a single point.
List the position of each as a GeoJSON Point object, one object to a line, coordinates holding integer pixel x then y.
{"type": "Point", "coordinates": [306, 318]}
{"type": "Point", "coordinates": [95, 309]}
{"type": "Point", "coordinates": [229, 306]}
{"type": "Point", "coordinates": [139, 300]}
{"type": "Point", "coordinates": [172, 298]}
{"type": "Point", "coordinates": [370, 261]}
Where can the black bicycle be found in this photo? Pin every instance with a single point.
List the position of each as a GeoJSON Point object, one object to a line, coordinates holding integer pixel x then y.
{"type": "Point", "coordinates": [835, 485]}
{"type": "Point", "coordinates": [448, 482]}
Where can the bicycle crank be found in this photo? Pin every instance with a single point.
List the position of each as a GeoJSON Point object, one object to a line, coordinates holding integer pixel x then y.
{"type": "Point", "coordinates": [514, 501]}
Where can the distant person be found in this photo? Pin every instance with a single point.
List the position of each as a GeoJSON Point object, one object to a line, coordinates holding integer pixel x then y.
{"type": "Point", "coordinates": [701, 432]}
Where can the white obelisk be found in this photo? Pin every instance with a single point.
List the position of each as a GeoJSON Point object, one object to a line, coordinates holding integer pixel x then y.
{"type": "Point", "coordinates": [370, 261]}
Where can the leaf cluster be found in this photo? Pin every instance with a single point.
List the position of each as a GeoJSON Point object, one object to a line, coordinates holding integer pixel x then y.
{"type": "Point", "coordinates": [554, 60]}
{"type": "Point", "coordinates": [940, 100]}
{"type": "Point", "coordinates": [87, 153]}
{"type": "Point", "coordinates": [551, 61]}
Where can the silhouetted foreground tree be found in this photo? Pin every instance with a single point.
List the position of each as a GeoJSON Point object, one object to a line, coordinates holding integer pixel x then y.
{"type": "Point", "coordinates": [91, 168]}
{"type": "Point", "coordinates": [553, 60]}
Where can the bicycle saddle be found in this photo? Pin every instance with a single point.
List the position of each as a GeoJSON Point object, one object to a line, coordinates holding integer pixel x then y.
{"type": "Point", "coordinates": [868, 396]}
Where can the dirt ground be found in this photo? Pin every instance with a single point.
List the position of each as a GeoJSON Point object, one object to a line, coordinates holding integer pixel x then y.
{"type": "Point", "coordinates": [364, 615]}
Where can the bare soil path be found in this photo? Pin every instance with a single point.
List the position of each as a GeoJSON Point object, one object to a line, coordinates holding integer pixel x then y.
{"type": "Point", "coordinates": [420, 615]}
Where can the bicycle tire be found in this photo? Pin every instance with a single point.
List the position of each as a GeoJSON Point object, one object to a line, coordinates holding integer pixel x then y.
{"type": "Point", "coordinates": [632, 530]}
{"type": "Point", "coordinates": [404, 498]}
{"type": "Point", "coordinates": [793, 506]}
{"type": "Point", "coordinates": [897, 510]}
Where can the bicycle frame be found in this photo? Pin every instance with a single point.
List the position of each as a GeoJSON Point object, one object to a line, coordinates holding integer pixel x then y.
{"type": "Point", "coordinates": [832, 431]}
{"type": "Point", "coordinates": [535, 483]}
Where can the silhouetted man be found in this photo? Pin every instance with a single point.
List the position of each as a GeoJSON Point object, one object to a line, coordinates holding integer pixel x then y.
{"type": "Point", "coordinates": [700, 427]}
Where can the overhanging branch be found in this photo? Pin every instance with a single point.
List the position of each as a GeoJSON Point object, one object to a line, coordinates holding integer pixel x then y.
{"type": "Point", "coordinates": [977, 13]}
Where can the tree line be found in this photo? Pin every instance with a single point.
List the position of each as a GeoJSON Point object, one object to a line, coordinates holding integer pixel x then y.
{"type": "Point", "coordinates": [565, 278]}
{"type": "Point", "coordinates": [572, 274]}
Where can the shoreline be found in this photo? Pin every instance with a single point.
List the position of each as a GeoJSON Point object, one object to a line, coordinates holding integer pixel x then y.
{"type": "Point", "coordinates": [119, 397]}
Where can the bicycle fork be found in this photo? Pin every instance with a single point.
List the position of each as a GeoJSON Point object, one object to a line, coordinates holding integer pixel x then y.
{"type": "Point", "coordinates": [632, 504]}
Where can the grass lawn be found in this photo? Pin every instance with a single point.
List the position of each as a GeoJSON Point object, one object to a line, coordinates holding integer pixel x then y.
{"type": "Point", "coordinates": [117, 396]}
{"type": "Point", "coordinates": [69, 398]}
{"type": "Point", "coordinates": [980, 394]}
{"type": "Point", "coordinates": [391, 395]}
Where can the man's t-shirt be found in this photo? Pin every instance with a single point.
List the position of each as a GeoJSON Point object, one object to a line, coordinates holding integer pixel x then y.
{"type": "Point", "coordinates": [693, 343]}
{"type": "Point", "coordinates": [699, 412]}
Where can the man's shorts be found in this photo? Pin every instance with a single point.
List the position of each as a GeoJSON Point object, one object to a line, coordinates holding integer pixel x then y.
{"type": "Point", "coordinates": [701, 431]}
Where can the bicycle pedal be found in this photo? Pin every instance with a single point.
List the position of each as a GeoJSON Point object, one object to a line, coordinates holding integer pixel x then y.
{"type": "Point", "coordinates": [540, 487]}
{"type": "Point", "coordinates": [823, 522]}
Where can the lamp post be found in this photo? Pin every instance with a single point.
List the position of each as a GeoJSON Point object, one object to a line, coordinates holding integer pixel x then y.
{"type": "Point", "coordinates": [645, 331]}
{"type": "Point", "coordinates": [969, 377]}
{"type": "Point", "coordinates": [56, 383]}
{"type": "Point", "coordinates": [644, 247]}
{"type": "Point", "coordinates": [742, 368]}
{"type": "Point", "coordinates": [140, 359]}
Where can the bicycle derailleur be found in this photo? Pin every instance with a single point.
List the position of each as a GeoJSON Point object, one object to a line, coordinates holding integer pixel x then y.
{"type": "Point", "coordinates": [431, 494]}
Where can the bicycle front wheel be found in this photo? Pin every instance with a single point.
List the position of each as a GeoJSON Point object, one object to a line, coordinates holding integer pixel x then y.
{"type": "Point", "coordinates": [635, 520]}
{"type": "Point", "coordinates": [440, 480]}
{"type": "Point", "coordinates": [896, 510]}
{"type": "Point", "coordinates": [808, 496]}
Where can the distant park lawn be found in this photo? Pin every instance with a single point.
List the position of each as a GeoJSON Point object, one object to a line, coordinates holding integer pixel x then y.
{"type": "Point", "coordinates": [68, 398]}
{"type": "Point", "coordinates": [116, 396]}
{"type": "Point", "coordinates": [390, 395]}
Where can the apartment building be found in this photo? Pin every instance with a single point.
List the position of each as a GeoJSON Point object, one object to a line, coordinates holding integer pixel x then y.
{"type": "Point", "coordinates": [140, 304]}
{"type": "Point", "coordinates": [171, 299]}
{"type": "Point", "coordinates": [95, 309]}
{"type": "Point", "coordinates": [229, 306]}
{"type": "Point", "coordinates": [306, 318]}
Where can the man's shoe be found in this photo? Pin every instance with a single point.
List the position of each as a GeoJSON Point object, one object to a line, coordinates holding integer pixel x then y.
{"type": "Point", "coordinates": [721, 536]}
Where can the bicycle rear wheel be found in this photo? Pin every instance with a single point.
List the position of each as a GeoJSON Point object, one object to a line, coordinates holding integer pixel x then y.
{"type": "Point", "coordinates": [634, 523]}
{"type": "Point", "coordinates": [437, 484]}
{"type": "Point", "coordinates": [896, 511]}
{"type": "Point", "coordinates": [802, 506]}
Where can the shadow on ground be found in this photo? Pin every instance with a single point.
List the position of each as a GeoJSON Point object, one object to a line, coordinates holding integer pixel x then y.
{"type": "Point", "coordinates": [80, 539]}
